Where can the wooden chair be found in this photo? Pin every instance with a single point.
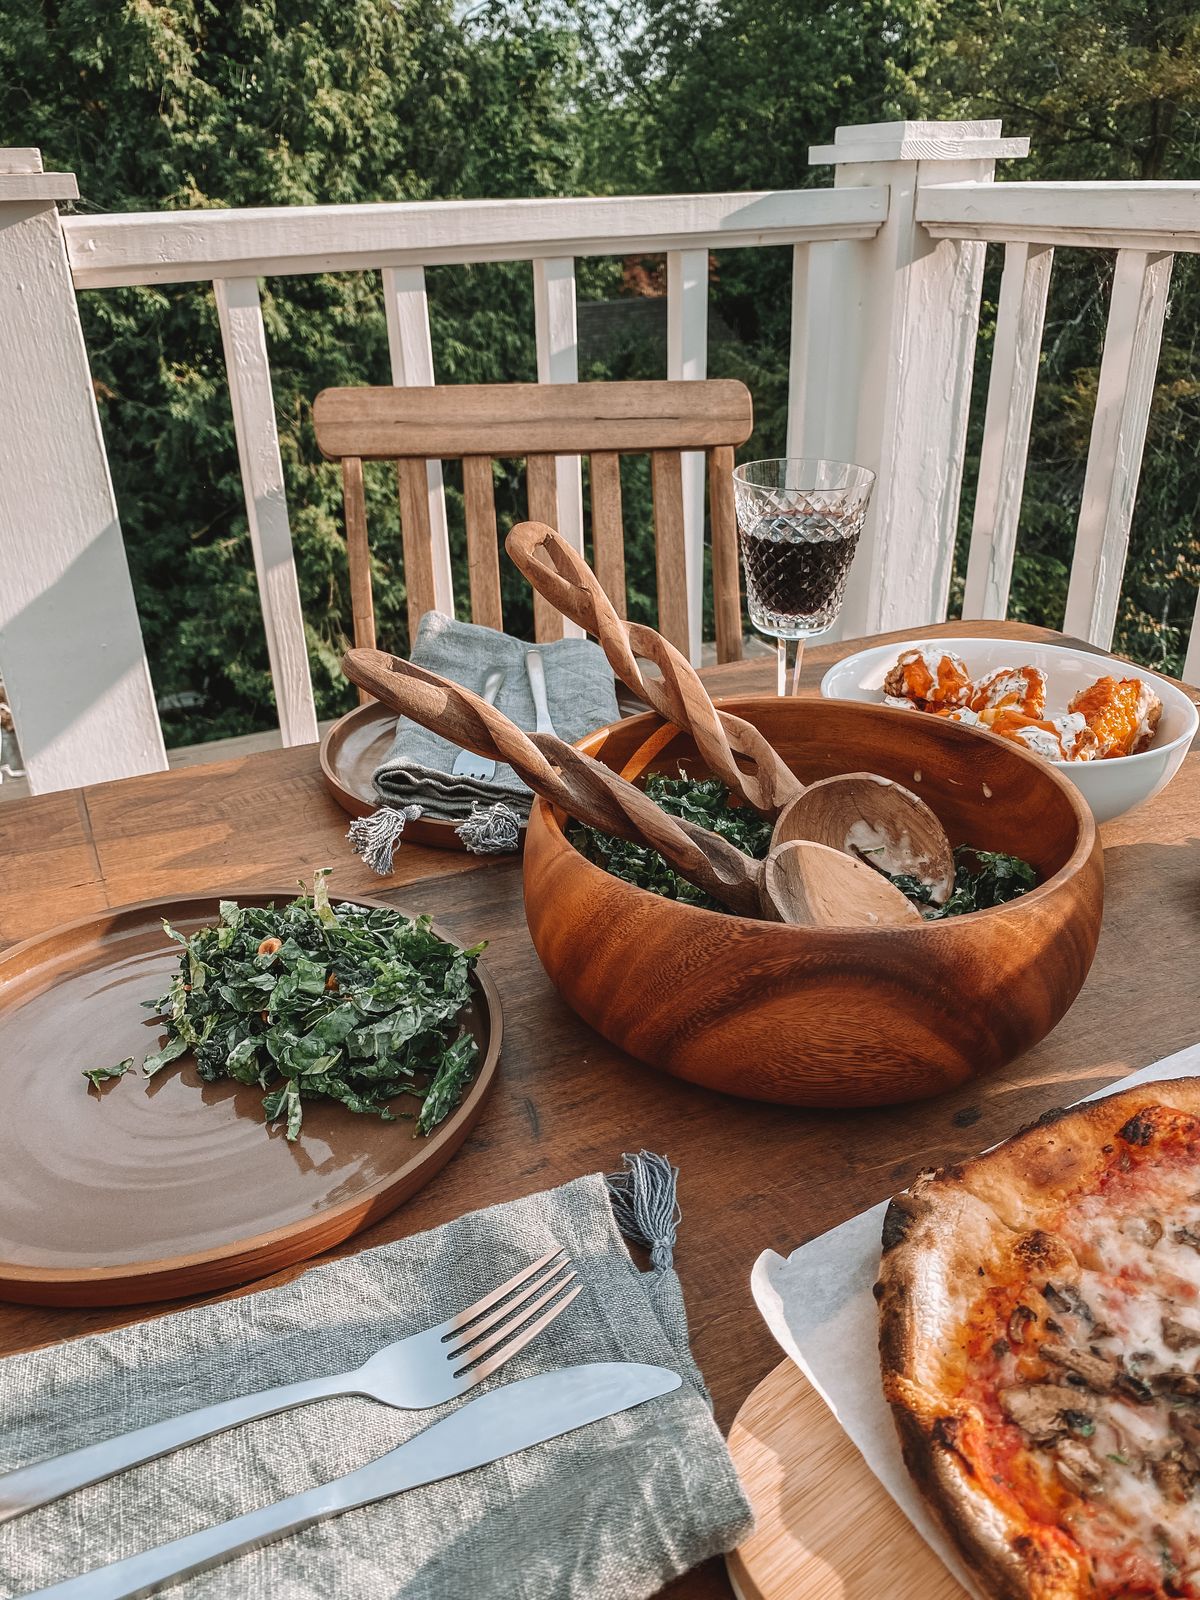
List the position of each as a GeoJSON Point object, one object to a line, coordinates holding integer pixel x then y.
{"type": "Point", "coordinates": [481, 423]}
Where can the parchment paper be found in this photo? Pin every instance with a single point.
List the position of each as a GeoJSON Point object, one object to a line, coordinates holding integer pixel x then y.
{"type": "Point", "coordinates": [818, 1304]}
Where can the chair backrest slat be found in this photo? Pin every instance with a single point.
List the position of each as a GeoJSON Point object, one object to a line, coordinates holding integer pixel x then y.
{"type": "Point", "coordinates": [608, 527]}
{"type": "Point", "coordinates": [519, 419]}
{"type": "Point", "coordinates": [358, 555]}
{"type": "Point", "coordinates": [417, 540]}
{"type": "Point", "coordinates": [483, 546]}
{"type": "Point", "coordinates": [541, 490]}
{"type": "Point", "coordinates": [727, 605]}
{"type": "Point", "coordinates": [539, 422]}
{"type": "Point", "coordinates": [670, 554]}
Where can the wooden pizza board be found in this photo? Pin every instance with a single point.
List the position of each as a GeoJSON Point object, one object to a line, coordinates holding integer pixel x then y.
{"type": "Point", "coordinates": [827, 1529]}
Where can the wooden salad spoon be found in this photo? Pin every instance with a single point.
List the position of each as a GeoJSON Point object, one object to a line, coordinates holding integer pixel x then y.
{"type": "Point", "coordinates": [865, 816]}
{"type": "Point", "coordinates": [800, 882]}
{"type": "Point", "coordinates": [876, 820]}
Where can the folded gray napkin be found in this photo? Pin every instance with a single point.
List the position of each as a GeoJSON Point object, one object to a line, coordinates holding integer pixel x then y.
{"type": "Point", "coordinates": [610, 1512]}
{"type": "Point", "coordinates": [579, 691]}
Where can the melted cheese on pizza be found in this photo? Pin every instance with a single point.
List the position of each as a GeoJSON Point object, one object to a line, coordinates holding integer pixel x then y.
{"type": "Point", "coordinates": [1085, 1375]}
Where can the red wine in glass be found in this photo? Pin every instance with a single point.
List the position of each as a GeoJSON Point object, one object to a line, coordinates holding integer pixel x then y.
{"type": "Point", "coordinates": [799, 523]}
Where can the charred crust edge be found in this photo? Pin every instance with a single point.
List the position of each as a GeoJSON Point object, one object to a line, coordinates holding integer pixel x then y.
{"type": "Point", "coordinates": [1138, 1130]}
{"type": "Point", "coordinates": [897, 1220]}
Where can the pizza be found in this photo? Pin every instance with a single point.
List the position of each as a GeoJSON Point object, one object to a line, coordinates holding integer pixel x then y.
{"type": "Point", "coordinates": [1040, 1346]}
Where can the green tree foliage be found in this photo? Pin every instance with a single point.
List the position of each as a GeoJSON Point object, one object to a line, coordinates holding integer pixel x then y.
{"type": "Point", "coordinates": [182, 103]}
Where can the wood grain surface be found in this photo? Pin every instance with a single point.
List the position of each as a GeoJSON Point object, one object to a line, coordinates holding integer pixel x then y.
{"type": "Point", "coordinates": [517, 419]}
{"type": "Point", "coordinates": [835, 1015]}
{"type": "Point", "coordinates": [826, 1528]}
{"type": "Point", "coordinates": [753, 1176]}
{"type": "Point", "coordinates": [207, 1174]}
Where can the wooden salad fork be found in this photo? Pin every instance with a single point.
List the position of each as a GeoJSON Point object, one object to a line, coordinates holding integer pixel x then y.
{"type": "Point", "coordinates": [423, 1370]}
{"type": "Point", "coordinates": [873, 819]}
{"type": "Point", "coordinates": [800, 882]}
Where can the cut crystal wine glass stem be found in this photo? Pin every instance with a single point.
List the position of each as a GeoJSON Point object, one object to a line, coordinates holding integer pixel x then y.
{"type": "Point", "coordinates": [796, 665]}
{"type": "Point", "coordinates": [781, 667]}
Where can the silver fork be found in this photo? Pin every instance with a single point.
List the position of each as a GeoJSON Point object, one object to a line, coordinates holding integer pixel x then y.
{"type": "Point", "coordinates": [422, 1370]}
{"type": "Point", "coordinates": [466, 763]}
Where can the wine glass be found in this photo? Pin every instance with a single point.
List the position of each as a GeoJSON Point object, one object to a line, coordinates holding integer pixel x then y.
{"type": "Point", "coordinates": [798, 523]}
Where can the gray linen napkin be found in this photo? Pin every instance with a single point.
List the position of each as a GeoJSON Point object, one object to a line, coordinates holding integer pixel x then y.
{"type": "Point", "coordinates": [579, 691]}
{"type": "Point", "coordinates": [610, 1512]}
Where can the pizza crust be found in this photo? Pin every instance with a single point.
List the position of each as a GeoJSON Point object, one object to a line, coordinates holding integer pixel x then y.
{"type": "Point", "coordinates": [939, 1240]}
{"type": "Point", "coordinates": [953, 1228]}
{"type": "Point", "coordinates": [1027, 1178]}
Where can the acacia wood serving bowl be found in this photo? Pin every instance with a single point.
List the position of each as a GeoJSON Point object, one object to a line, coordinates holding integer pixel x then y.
{"type": "Point", "coordinates": [832, 1016]}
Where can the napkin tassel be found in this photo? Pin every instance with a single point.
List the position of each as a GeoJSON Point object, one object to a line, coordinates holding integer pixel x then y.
{"type": "Point", "coordinates": [375, 838]}
{"type": "Point", "coordinates": [644, 1205]}
{"type": "Point", "coordinates": [491, 830]}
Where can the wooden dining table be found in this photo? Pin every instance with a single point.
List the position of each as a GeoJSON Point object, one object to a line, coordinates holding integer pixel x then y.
{"type": "Point", "coordinates": [752, 1176]}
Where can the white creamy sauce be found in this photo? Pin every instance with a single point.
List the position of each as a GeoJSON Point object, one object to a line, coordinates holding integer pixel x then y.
{"type": "Point", "coordinates": [1002, 682]}
{"type": "Point", "coordinates": [932, 661]}
{"type": "Point", "coordinates": [899, 702]}
{"type": "Point", "coordinates": [987, 792]}
{"type": "Point", "coordinates": [965, 714]}
{"type": "Point", "coordinates": [1143, 711]}
{"type": "Point", "coordinates": [893, 854]}
{"type": "Point", "coordinates": [1042, 741]}
{"type": "Point", "coordinates": [1070, 727]}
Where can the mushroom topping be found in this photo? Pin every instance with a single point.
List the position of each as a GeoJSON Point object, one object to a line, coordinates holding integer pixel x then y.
{"type": "Point", "coordinates": [1077, 1467]}
{"type": "Point", "coordinates": [1176, 1336]}
{"type": "Point", "coordinates": [1171, 1474]}
{"type": "Point", "coordinates": [1098, 1372]}
{"type": "Point", "coordinates": [1046, 1411]}
{"type": "Point", "coordinates": [1176, 1381]}
{"type": "Point", "coordinates": [1020, 1319]}
{"type": "Point", "coordinates": [1143, 1230]}
{"type": "Point", "coordinates": [1066, 1297]}
{"type": "Point", "coordinates": [1186, 1425]}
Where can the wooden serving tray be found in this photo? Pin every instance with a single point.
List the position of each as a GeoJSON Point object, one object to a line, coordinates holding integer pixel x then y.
{"type": "Point", "coordinates": [167, 1186]}
{"type": "Point", "coordinates": [827, 1529]}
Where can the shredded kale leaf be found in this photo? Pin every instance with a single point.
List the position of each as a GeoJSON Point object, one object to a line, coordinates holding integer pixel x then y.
{"type": "Point", "coordinates": [98, 1075]}
{"type": "Point", "coordinates": [705, 801]}
{"type": "Point", "coordinates": [982, 877]}
{"type": "Point", "coordinates": [356, 1004]}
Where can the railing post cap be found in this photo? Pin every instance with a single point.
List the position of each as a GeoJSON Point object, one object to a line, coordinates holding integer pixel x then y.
{"type": "Point", "coordinates": [918, 141]}
{"type": "Point", "coordinates": [22, 178]}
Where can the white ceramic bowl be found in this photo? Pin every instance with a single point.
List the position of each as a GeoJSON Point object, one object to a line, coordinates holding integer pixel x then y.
{"type": "Point", "coordinates": [1110, 787]}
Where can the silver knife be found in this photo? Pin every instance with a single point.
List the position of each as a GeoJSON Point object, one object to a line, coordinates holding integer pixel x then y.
{"type": "Point", "coordinates": [536, 670]}
{"type": "Point", "coordinates": [499, 1423]}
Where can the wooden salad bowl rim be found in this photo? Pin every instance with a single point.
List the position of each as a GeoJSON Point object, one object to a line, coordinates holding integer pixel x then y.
{"type": "Point", "coordinates": [556, 820]}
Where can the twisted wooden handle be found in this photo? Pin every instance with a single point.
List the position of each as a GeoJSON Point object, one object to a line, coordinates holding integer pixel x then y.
{"type": "Point", "coordinates": [561, 774]}
{"type": "Point", "coordinates": [561, 576]}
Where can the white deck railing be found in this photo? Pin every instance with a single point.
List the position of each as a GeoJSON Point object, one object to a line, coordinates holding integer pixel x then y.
{"type": "Point", "coordinates": [887, 278]}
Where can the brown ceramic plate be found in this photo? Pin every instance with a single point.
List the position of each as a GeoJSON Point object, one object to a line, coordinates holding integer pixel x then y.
{"type": "Point", "coordinates": [170, 1186]}
{"type": "Point", "coordinates": [355, 745]}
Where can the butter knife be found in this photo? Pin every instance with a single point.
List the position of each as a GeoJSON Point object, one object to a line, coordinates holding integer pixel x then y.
{"type": "Point", "coordinates": [536, 669]}
{"type": "Point", "coordinates": [499, 1423]}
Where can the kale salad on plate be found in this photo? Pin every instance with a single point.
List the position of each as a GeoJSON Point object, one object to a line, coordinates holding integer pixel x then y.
{"type": "Point", "coordinates": [357, 1004]}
